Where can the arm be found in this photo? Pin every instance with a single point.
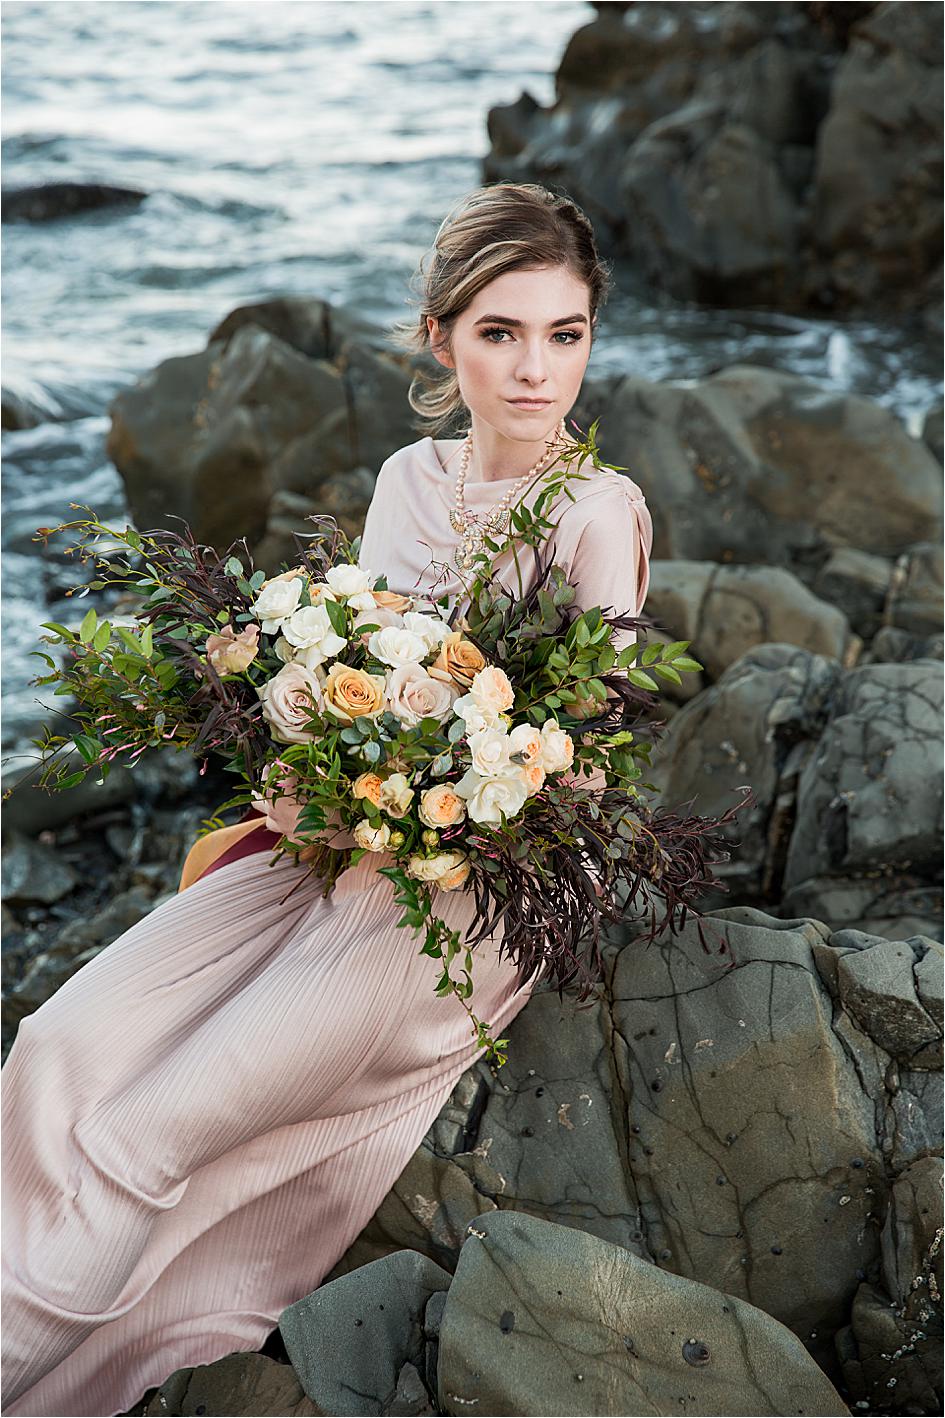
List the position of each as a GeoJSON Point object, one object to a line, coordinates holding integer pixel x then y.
{"type": "Point", "coordinates": [610, 566]}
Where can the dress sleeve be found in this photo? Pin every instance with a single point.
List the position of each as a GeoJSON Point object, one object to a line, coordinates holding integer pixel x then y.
{"type": "Point", "coordinates": [610, 565]}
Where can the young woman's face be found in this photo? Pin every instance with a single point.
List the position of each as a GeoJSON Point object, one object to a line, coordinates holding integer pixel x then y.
{"type": "Point", "coordinates": [520, 350]}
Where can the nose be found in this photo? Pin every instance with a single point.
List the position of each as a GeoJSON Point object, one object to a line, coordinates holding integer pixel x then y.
{"type": "Point", "coordinates": [531, 367]}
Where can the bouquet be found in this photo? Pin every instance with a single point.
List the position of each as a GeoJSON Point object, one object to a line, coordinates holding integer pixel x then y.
{"type": "Point", "coordinates": [496, 751]}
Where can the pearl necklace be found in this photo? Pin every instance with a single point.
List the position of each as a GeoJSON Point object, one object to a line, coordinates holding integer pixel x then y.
{"type": "Point", "coordinates": [473, 531]}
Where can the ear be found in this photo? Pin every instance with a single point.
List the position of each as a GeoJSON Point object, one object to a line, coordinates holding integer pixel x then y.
{"type": "Point", "coordinates": [436, 336]}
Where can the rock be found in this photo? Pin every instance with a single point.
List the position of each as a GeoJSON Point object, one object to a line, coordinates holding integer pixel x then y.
{"type": "Point", "coordinates": [344, 496]}
{"type": "Point", "coordinates": [34, 872]}
{"type": "Point", "coordinates": [869, 799]}
{"type": "Point", "coordinates": [290, 397]}
{"type": "Point", "coordinates": [888, 1364]}
{"type": "Point", "coordinates": [738, 154]}
{"type": "Point", "coordinates": [876, 984]}
{"type": "Point", "coordinates": [870, 208]}
{"type": "Point", "coordinates": [427, 1210]}
{"type": "Point", "coordinates": [725, 610]}
{"type": "Point", "coordinates": [857, 583]}
{"type": "Point", "coordinates": [411, 1395]}
{"type": "Point", "coordinates": [75, 945]}
{"type": "Point", "coordinates": [31, 810]}
{"type": "Point", "coordinates": [242, 1383]}
{"type": "Point", "coordinates": [932, 431]}
{"type": "Point", "coordinates": [911, 1239]}
{"type": "Point", "coordinates": [349, 1340]}
{"type": "Point", "coordinates": [755, 466]}
{"type": "Point", "coordinates": [915, 596]}
{"type": "Point", "coordinates": [543, 1319]}
{"type": "Point", "coordinates": [49, 201]}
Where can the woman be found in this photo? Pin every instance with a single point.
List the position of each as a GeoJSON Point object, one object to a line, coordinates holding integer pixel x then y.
{"type": "Point", "coordinates": [204, 1117]}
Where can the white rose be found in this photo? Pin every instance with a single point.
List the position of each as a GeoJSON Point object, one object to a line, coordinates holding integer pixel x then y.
{"type": "Point", "coordinates": [395, 795]}
{"type": "Point", "coordinates": [310, 631]}
{"type": "Point", "coordinates": [557, 747]}
{"type": "Point", "coordinates": [394, 646]}
{"type": "Point", "coordinates": [431, 629]}
{"type": "Point", "coordinates": [488, 798]}
{"type": "Point", "coordinates": [413, 695]}
{"type": "Point", "coordinates": [372, 839]}
{"type": "Point", "coordinates": [288, 700]}
{"type": "Point", "coordinates": [475, 716]}
{"type": "Point", "coordinates": [492, 690]}
{"type": "Point", "coordinates": [348, 580]}
{"type": "Point", "coordinates": [276, 602]}
{"type": "Point", "coordinates": [490, 750]}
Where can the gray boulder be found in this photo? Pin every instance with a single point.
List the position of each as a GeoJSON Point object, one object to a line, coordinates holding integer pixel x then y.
{"type": "Point", "coordinates": [350, 1340]}
{"type": "Point", "coordinates": [542, 1319]}
{"type": "Point", "coordinates": [241, 1383]}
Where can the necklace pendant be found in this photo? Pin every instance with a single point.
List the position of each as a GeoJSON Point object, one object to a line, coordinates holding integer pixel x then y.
{"type": "Point", "coordinates": [457, 521]}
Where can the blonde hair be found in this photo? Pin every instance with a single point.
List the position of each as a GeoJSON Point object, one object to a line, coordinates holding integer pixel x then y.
{"type": "Point", "coordinates": [508, 226]}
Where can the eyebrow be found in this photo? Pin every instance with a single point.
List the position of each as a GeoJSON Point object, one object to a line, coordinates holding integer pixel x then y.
{"type": "Point", "coordinates": [506, 320]}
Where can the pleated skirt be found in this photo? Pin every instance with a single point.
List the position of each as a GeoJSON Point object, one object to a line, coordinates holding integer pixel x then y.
{"type": "Point", "coordinates": [198, 1124]}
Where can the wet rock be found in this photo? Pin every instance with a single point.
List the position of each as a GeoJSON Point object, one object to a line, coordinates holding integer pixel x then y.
{"type": "Point", "coordinates": [49, 201]}
{"type": "Point", "coordinates": [544, 1319]}
{"type": "Point", "coordinates": [33, 872]}
{"type": "Point", "coordinates": [745, 154]}
{"type": "Point", "coordinates": [242, 1383]}
{"type": "Point", "coordinates": [350, 1340]}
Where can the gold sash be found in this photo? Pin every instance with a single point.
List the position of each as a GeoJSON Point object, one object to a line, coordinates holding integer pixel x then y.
{"type": "Point", "coordinates": [208, 848]}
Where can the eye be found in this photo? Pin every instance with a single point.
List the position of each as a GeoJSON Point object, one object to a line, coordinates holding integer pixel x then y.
{"type": "Point", "coordinates": [565, 337]}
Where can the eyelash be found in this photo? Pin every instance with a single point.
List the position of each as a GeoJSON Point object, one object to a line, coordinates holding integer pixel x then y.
{"type": "Point", "coordinates": [501, 330]}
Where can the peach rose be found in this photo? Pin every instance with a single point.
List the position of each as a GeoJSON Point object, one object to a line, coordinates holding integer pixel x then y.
{"type": "Point", "coordinates": [285, 576]}
{"type": "Point", "coordinates": [229, 652]}
{"type": "Point", "coordinates": [525, 745]}
{"type": "Point", "coordinates": [459, 660]}
{"type": "Point", "coordinates": [447, 870]}
{"type": "Point", "coordinates": [491, 690]}
{"type": "Point", "coordinates": [534, 776]}
{"type": "Point", "coordinates": [351, 694]}
{"type": "Point", "coordinates": [441, 807]}
{"type": "Point", "coordinates": [288, 700]}
{"type": "Point", "coordinates": [557, 747]}
{"type": "Point", "coordinates": [391, 601]}
{"type": "Point", "coordinates": [368, 785]}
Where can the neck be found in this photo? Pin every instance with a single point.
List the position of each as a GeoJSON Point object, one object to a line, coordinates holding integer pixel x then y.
{"type": "Point", "coordinates": [495, 457]}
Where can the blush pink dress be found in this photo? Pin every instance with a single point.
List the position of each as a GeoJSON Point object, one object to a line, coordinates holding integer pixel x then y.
{"type": "Point", "coordinates": [198, 1124]}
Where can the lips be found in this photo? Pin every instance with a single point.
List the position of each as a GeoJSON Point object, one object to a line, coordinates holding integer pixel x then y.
{"type": "Point", "coordinates": [530, 403]}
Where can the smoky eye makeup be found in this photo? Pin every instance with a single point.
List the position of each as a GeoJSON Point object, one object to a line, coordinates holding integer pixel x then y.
{"type": "Point", "coordinates": [574, 336]}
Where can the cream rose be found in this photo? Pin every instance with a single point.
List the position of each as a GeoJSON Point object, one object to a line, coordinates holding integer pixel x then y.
{"type": "Point", "coordinates": [230, 652]}
{"type": "Point", "coordinates": [396, 646]}
{"type": "Point", "coordinates": [379, 618]}
{"type": "Point", "coordinates": [534, 776]}
{"type": "Point", "coordinates": [492, 690]}
{"type": "Point", "coordinates": [310, 630]}
{"type": "Point", "coordinates": [525, 744]}
{"type": "Point", "coordinates": [285, 576]}
{"type": "Point", "coordinates": [395, 795]}
{"type": "Point", "coordinates": [557, 751]}
{"type": "Point", "coordinates": [441, 807]}
{"type": "Point", "coordinates": [459, 660]}
{"type": "Point", "coordinates": [288, 700]}
{"type": "Point", "coordinates": [276, 602]}
{"type": "Point", "coordinates": [350, 694]}
{"type": "Point", "coordinates": [474, 716]}
{"type": "Point", "coordinates": [490, 750]}
{"type": "Point", "coordinates": [348, 580]}
{"type": "Point", "coordinates": [413, 695]}
{"type": "Point", "coordinates": [372, 839]}
{"type": "Point", "coordinates": [488, 798]}
{"type": "Point", "coordinates": [430, 628]}
{"type": "Point", "coordinates": [368, 785]}
{"type": "Point", "coordinates": [447, 870]}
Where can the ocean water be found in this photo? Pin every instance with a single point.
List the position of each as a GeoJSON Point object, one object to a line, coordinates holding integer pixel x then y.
{"type": "Point", "coordinates": [304, 148]}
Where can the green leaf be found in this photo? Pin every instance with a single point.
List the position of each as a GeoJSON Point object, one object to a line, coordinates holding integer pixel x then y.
{"type": "Point", "coordinates": [147, 639]}
{"type": "Point", "coordinates": [88, 747]}
{"type": "Point", "coordinates": [88, 626]}
{"type": "Point", "coordinates": [102, 636]}
{"type": "Point", "coordinates": [668, 672]}
{"type": "Point", "coordinates": [62, 630]}
{"type": "Point", "coordinates": [641, 679]}
{"type": "Point", "coordinates": [233, 567]}
{"type": "Point", "coordinates": [684, 662]}
{"type": "Point", "coordinates": [337, 616]}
